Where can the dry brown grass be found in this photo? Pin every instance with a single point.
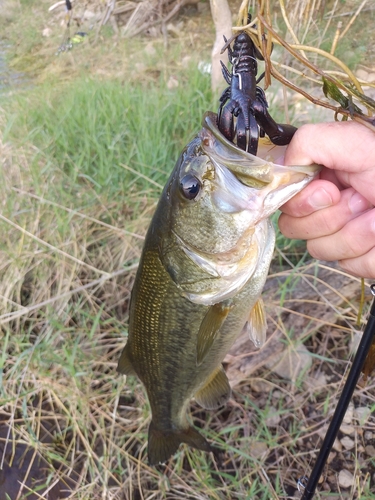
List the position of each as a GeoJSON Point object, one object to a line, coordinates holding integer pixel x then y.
{"type": "Point", "coordinates": [67, 418]}
{"type": "Point", "coordinates": [304, 66]}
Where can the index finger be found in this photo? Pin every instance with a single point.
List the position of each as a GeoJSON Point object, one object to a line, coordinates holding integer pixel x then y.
{"type": "Point", "coordinates": [346, 147]}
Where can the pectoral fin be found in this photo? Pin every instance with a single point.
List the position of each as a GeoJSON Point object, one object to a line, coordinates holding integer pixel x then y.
{"type": "Point", "coordinates": [256, 325]}
{"type": "Point", "coordinates": [215, 392]}
{"type": "Point", "coordinates": [209, 329]}
{"type": "Point", "coordinates": [125, 365]}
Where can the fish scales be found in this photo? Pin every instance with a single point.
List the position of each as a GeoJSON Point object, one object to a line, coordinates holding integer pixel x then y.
{"type": "Point", "coordinates": [204, 264]}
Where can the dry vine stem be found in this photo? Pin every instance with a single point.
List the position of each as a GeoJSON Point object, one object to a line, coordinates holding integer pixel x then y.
{"type": "Point", "coordinates": [264, 35]}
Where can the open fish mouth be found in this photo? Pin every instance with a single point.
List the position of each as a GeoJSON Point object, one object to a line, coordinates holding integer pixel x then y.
{"type": "Point", "coordinates": [261, 185]}
{"type": "Point", "coordinates": [253, 171]}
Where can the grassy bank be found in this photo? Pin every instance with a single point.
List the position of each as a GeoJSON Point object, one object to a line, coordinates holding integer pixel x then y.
{"type": "Point", "coordinates": [97, 131]}
{"type": "Point", "coordinates": [81, 173]}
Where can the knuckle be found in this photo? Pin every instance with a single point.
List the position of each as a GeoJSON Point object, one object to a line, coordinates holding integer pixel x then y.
{"type": "Point", "coordinates": [354, 267]}
{"type": "Point", "coordinates": [303, 133]}
{"type": "Point", "coordinates": [363, 266]}
{"type": "Point", "coordinates": [288, 226]}
{"type": "Point", "coordinates": [304, 130]}
{"type": "Point", "coordinates": [326, 225]}
{"type": "Point", "coordinates": [358, 235]}
{"type": "Point", "coordinates": [314, 251]}
{"type": "Point", "coordinates": [354, 247]}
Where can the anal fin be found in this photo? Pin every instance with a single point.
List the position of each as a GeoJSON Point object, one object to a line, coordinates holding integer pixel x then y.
{"type": "Point", "coordinates": [256, 325]}
{"type": "Point", "coordinates": [216, 392]}
{"type": "Point", "coordinates": [125, 365]}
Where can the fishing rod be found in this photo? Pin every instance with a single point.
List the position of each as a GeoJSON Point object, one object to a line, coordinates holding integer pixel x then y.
{"type": "Point", "coordinates": [67, 41]}
{"type": "Point", "coordinates": [359, 360]}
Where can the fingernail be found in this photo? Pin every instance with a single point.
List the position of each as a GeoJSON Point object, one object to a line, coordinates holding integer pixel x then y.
{"type": "Point", "coordinates": [358, 203]}
{"type": "Point", "coordinates": [320, 199]}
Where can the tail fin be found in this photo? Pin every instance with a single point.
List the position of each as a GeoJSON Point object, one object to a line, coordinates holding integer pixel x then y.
{"type": "Point", "coordinates": [163, 444]}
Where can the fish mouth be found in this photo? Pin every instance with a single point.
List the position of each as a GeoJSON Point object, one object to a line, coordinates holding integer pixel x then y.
{"type": "Point", "coordinates": [253, 171]}
{"type": "Point", "coordinates": [247, 182]}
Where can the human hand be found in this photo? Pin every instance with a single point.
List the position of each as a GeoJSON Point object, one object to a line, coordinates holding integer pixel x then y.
{"type": "Point", "coordinates": [335, 212]}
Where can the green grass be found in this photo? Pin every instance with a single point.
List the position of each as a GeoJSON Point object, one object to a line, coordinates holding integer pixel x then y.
{"type": "Point", "coordinates": [93, 131]}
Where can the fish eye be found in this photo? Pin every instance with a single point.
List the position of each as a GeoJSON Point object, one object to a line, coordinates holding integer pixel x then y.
{"type": "Point", "coordinates": [190, 186]}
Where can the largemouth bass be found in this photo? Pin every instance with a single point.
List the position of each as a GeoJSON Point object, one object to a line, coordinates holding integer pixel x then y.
{"type": "Point", "coordinates": [204, 264]}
